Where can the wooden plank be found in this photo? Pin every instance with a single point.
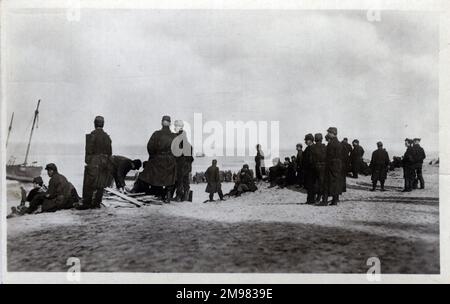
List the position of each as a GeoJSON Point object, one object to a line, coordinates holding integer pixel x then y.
{"type": "Point", "coordinates": [124, 196]}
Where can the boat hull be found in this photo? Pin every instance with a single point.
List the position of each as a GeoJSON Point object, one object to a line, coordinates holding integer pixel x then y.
{"type": "Point", "coordinates": [22, 173]}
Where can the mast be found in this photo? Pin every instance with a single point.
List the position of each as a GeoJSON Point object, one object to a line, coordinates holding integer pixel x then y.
{"type": "Point", "coordinates": [36, 113]}
{"type": "Point", "coordinates": [9, 129]}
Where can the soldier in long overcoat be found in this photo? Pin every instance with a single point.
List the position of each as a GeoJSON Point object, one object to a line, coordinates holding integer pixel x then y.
{"type": "Point", "coordinates": [408, 166]}
{"type": "Point", "coordinates": [319, 155]}
{"type": "Point", "coordinates": [97, 172]}
{"type": "Point", "coordinates": [309, 173]}
{"type": "Point", "coordinates": [161, 169]}
{"type": "Point", "coordinates": [183, 151]}
{"type": "Point", "coordinates": [334, 182]}
{"type": "Point", "coordinates": [379, 166]}
{"type": "Point", "coordinates": [419, 156]}
{"type": "Point", "coordinates": [356, 157]}
{"type": "Point", "coordinates": [213, 179]}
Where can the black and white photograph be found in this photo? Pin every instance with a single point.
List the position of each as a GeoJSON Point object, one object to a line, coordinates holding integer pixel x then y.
{"type": "Point", "coordinates": [212, 141]}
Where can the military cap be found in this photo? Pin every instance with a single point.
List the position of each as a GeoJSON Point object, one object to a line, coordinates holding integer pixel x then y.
{"type": "Point", "coordinates": [166, 118]}
{"type": "Point", "coordinates": [356, 141]}
{"type": "Point", "coordinates": [99, 121]}
{"type": "Point", "coordinates": [318, 137]}
{"type": "Point", "coordinates": [51, 166]}
{"type": "Point", "coordinates": [309, 137]}
{"type": "Point", "coordinates": [332, 130]}
{"type": "Point", "coordinates": [137, 164]}
{"type": "Point", "coordinates": [416, 139]}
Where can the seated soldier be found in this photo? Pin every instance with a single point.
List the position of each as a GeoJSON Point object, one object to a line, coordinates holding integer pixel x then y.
{"type": "Point", "coordinates": [38, 187]}
{"type": "Point", "coordinates": [276, 173]}
{"type": "Point", "coordinates": [60, 195]}
{"type": "Point", "coordinates": [244, 182]}
{"type": "Point", "coordinates": [121, 166]}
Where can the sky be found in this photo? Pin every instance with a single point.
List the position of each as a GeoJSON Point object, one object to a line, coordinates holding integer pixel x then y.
{"type": "Point", "coordinates": [309, 70]}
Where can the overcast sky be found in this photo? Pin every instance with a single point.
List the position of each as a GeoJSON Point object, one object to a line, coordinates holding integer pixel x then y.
{"type": "Point", "coordinates": [309, 70]}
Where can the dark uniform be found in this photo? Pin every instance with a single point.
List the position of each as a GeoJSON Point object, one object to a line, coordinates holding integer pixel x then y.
{"type": "Point", "coordinates": [184, 167]}
{"type": "Point", "coordinates": [309, 173]}
{"type": "Point", "coordinates": [419, 156]}
{"type": "Point", "coordinates": [161, 169]}
{"type": "Point", "coordinates": [334, 181]}
{"type": "Point", "coordinates": [97, 172]}
{"type": "Point", "coordinates": [277, 175]}
{"type": "Point", "coordinates": [408, 162]}
{"type": "Point", "coordinates": [319, 155]}
{"type": "Point", "coordinates": [379, 166]}
{"type": "Point", "coordinates": [60, 194]}
{"type": "Point", "coordinates": [244, 183]}
{"type": "Point", "coordinates": [299, 163]}
{"type": "Point", "coordinates": [121, 167]}
{"type": "Point", "coordinates": [259, 164]}
{"type": "Point", "coordinates": [356, 157]}
{"type": "Point", "coordinates": [346, 162]}
{"type": "Point", "coordinates": [214, 184]}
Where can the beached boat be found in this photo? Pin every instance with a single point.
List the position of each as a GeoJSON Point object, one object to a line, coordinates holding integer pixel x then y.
{"type": "Point", "coordinates": [23, 172]}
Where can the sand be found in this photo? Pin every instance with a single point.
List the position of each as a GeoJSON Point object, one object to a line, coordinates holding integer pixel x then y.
{"type": "Point", "coordinates": [266, 231]}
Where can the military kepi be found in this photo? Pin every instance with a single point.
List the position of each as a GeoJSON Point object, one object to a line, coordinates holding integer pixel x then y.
{"type": "Point", "coordinates": [166, 118]}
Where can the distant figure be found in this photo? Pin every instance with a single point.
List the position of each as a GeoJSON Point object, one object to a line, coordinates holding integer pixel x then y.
{"type": "Point", "coordinates": [244, 182]}
{"type": "Point", "coordinates": [347, 151]}
{"type": "Point", "coordinates": [97, 172]}
{"type": "Point", "coordinates": [60, 194]}
{"type": "Point", "coordinates": [121, 165]}
{"type": "Point", "coordinates": [299, 162]}
{"type": "Point", "coordinates": [319, 157]}
{"type": "Point", "coordinates": [290, 171]}
{"type": "Point", "coordinates": [419, 157]}
{"type": "Point", "coordinates": [356, 158]}
{"type": "Point", "coordinates": [334, 166]}
{"type": "Point", "coordinates": [213, 180]}
{"type": "Point", "coordinates": [408, 166]}
{"type": "Point", "coordinates": [184, 160]}
{"type": "Point", "coordinates": [259, 163]}
{"type": "Point", "coordinates": [161, 169]}
{"type": "Point", "coordinates": [379, 166]}
{"type": "Point", "coordinates": [309, 173]}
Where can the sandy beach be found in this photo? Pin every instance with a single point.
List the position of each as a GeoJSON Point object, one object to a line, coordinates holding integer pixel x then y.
{"type": "Point", "coordinates": [267, 231]}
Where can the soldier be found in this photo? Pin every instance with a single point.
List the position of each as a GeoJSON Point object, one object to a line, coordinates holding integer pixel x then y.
{"type": "Point", "coordinates": [244, 182]}
{"type": "Point", "coordinates": [259, 163]}
{"type": "Point", "coordinates": [408, 166]}
{"type": "Point", "coordinates": [379, 166]}
{"type": "Point", "coordinates": [182, 150]}
{"type": "Point", "coordinates": [419, 155]}
{"type": "Point", "coordinates": [213, 180]}
{"type": "Point", "coordinates": [97, 172]}
{"type": "Point", "coordinates": [161, 168]}
{"type": "Point", "coordinates": [309, 175]}
{"type": "Point", "coordinates": [121, 166]}
{"type": "Point", "coordinates": [276, 173]}
{"type": "Point", "coordinates": [299, 170]}
{"type": "Point", "coordinates": [334, 184]}
{"type": "Point", "coordinates": [347, 151]}
{"type": "Point", "coordinates": [319, 154]}
{"type": "Point", "coordinates": [356, 158]}
{"type": "Point", "coordinates": [60, 194]}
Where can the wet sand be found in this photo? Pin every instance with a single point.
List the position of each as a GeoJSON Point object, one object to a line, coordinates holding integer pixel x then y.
{"type": "Point", "coordinates": [267, 231]}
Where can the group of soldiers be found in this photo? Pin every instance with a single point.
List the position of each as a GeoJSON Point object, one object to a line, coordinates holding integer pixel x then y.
{"type": "Point", "coordinates": [321, 169]}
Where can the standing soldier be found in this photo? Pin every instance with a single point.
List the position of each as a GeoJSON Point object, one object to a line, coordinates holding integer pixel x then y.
{"type": "Point", "coordinates": [259, 163]}
{"type": "Point", "coordinates": [346, 166]}
{"type": "Point", "coordinates": [213, 180]}
{"type": "Point", "coordinates": [299, 165]}
{"type": "Point", "coordinates": [309, 176]}
{"type": "Point", "coordinates": [379, 166]}
{"type": "Point", "coordinates": [408, 166]}
{"type": "Point", "coordinates": [334, 166]}
{"type": "Point", "coordinates": [182, 150]}
{"type": "Point", "coordinates": [97, 172]}
{"type": "Point", "coordinates": [356, 158]}
{"type": "Point", "coordinates": [319, 155]}
{"type": "Point", "coordinates": [161, 169]}
{"type": "Point", "coordinates": [419, 155]}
